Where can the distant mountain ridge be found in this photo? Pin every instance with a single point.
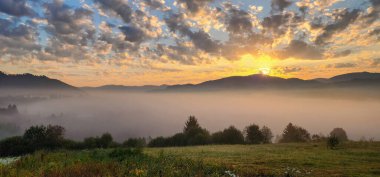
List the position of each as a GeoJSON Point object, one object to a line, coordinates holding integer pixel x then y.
{"type": "Point", "coordinates": [258, 81]}
{"type": "Point", "coordinates": [255, 81]}
{"type": "Point", "coordinates": [30, 81]}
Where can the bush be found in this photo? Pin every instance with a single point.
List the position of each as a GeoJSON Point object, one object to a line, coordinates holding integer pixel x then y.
{"type": "Point", "coordinates": [135, 142]}
{"type": "Point", "coordinates": [333, 142]}
{"type": "Point", "coordinates": [14, 146]}
{"type": "Point", "coordinates": [230, 135]}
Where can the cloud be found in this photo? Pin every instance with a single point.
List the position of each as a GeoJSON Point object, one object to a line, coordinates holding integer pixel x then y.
{"type": "Point", "coordinates": [343, 20]}
{"type": "Point", "coordinates": [194, 6]}
{"type": "Point", "coordinates": [375, 62]}
{"type": "Point", "coordinates": [342, 65]}
{"type": "Point", "coordinates": [132, 33]}
{"type": "Point", "coordinates": [200, 39]}
{"type": "Point", "coordinates": [238, 21]}
{"type": "Point", "coordinates": [120, 7]}
{"type": "Point", "coordinates": [154, 4]}
{"type": "Point", "coordinates": [301, 50]}
{"type": "Point", "coordinates": [287, 70]}
{"type": "Point", "coordinates": [280, 5]}
{"type": "Point", "coordinates": [16, 8]}
{"type": "Point", "coordinates": [343, 53]}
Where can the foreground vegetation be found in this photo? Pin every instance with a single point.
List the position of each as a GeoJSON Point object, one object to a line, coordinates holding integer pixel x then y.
{"type": "Point", "coordinates": [43, 151]}
{"type": "Point", "coordinates": [294, 159]}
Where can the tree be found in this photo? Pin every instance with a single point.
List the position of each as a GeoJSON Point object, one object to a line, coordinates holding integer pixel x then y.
{"type": "Point", "coordinates": [267, 134]}
{"type": "Point", "coordinates": [253, 134]}
{"type": "Point", "coordinates": [294, 133]}
{"type": "Point", "coordinates": [230, 135]}
{"type": "Point", "coordinates": [194, 133]}
{"type": "Point", "coordinates": [105, 140]}
{"type": "Point", "coordinates": [54, 136]}
{"type": "Point", "coordinates": [339, 133]}
{"type": "Point", "coordinates": [35, 136]}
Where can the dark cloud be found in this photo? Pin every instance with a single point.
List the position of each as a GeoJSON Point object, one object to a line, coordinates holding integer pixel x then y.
{"type": "Point", "coordinates": [375, 32]}
{"type": "Point", "coordinates": [277, 24]}
{"type": "Point", "coordinates": [195, 5]}
{"type": "Point", "coordinates": [343, 53]}
{"type": "Point", "coordinates": [238, 21]}
{"type": "Point", "coordinates": [68, 24]}
{"type": "Point", "coordinates": [200, 39]}
{"type": "Point", "coordinates": [16, 8]}
{"type": "Point", "coordinates": [120, 7]}
{"type": "Point", "coordinates": [132, 33]}
{"type": "Point", "coordinates": [287, 70]}
{"type": "Point", "coordinates": [17, 39]}
{"type": "Point", "coordinates": [9, 29]}
{"type": "Point", "coordinates": [154, 4]}
{"type": "Point", "coordinates": [280, 5]}
{"type": "Point", "coordinates": [301, 50]}
{"type": "Point", "coordinates": [374, 14]}
{"type": "Point", "coordinates": [375, 62]}
{"type": "Point", "coordinates": [343, 20]}
{"type": "Point", "coordinates": [342, 65]}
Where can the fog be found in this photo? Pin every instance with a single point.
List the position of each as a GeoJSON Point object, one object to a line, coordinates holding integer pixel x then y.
{"type": "Point", "coordinates": [126, 114]}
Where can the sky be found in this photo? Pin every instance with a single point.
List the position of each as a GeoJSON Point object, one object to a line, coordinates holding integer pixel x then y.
{"type": "Point", "coordinates": [154, 42]}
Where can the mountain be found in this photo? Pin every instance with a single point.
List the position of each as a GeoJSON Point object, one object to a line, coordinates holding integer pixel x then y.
{"type": "Point", "coordinates": [355, 76]}
{"type": "Point", "coordinates": [30, 81]}
{"type": "Point", "coordinates": [255, 81]}
{"type": "Point", "coordinates": [259, 81]}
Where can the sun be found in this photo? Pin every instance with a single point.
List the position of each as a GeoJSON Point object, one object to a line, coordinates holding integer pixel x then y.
{"type": "Point", "coordinates": [264, 71]}
{"type": "Point", "coordinates": [261, 64]}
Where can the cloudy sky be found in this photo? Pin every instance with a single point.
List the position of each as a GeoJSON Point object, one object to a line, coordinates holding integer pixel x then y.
{"type": "Point", "coordinates": [138, 42]}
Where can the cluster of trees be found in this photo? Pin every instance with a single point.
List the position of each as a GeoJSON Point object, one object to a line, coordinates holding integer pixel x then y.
{"type": "Point", "coordinates": [52, 137]}
{"type": "Point", "coordinates": [194, 134]}
{"type": "Point", "coordinates": [35, 138]}
{"type": "Point", "coordinates": [11, 109]}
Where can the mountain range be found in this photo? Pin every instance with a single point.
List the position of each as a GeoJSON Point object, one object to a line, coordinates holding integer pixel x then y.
{"type": "Point", "coordinates": [255, 81]}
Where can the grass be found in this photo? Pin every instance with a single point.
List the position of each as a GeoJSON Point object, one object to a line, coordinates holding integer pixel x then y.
{"type": "Point", "coordinates": [352, 159]}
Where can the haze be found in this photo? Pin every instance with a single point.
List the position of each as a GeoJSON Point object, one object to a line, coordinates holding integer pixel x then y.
{"type": "Point", "coordinates": [134, 114]}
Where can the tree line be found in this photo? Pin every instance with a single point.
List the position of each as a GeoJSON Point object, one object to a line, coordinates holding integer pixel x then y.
{"type": "Point", "coordinates": [51, 137]}
{"type": "Point", "coordinates": [194, 134]}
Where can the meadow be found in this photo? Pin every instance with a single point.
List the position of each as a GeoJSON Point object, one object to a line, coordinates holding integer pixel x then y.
{"type": "Point", "coordinates": [290, 160]}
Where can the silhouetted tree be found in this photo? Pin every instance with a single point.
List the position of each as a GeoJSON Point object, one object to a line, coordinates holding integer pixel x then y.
{"type": "Point", "coordinates": [253, 134]}
{"type": "Point", "coordinates": [294, 134]}
{"type": "Point", "coordinates": [194, 133]}
{"type": "Point", "coordinates": [229, 135]}
{"type": "Point", "coordinates": [105, 140]}
{"type": "Point", "coordinates": [267, 134]}
{"type": "Point", "coordinates": [42, 137]}
{"type": "Point", "coordinates": [339, 133]}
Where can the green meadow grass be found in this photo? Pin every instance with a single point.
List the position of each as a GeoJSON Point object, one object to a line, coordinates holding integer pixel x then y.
{"type": "Point", "coordinates": [309, 159]}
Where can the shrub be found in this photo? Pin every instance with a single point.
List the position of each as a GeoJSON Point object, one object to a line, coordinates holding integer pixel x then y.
{"type": "Point", "coordinates": [333, 142]}
{"type": "Point", "coordinates": [230, 135]}
{"type": "Point", "coordinates": [14, 146]}
{"type": "Point", "coordinates": [135, 142]}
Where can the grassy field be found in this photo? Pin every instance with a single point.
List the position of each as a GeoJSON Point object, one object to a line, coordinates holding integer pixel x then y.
{"type": "Point", "coordinates": [352, 159]}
